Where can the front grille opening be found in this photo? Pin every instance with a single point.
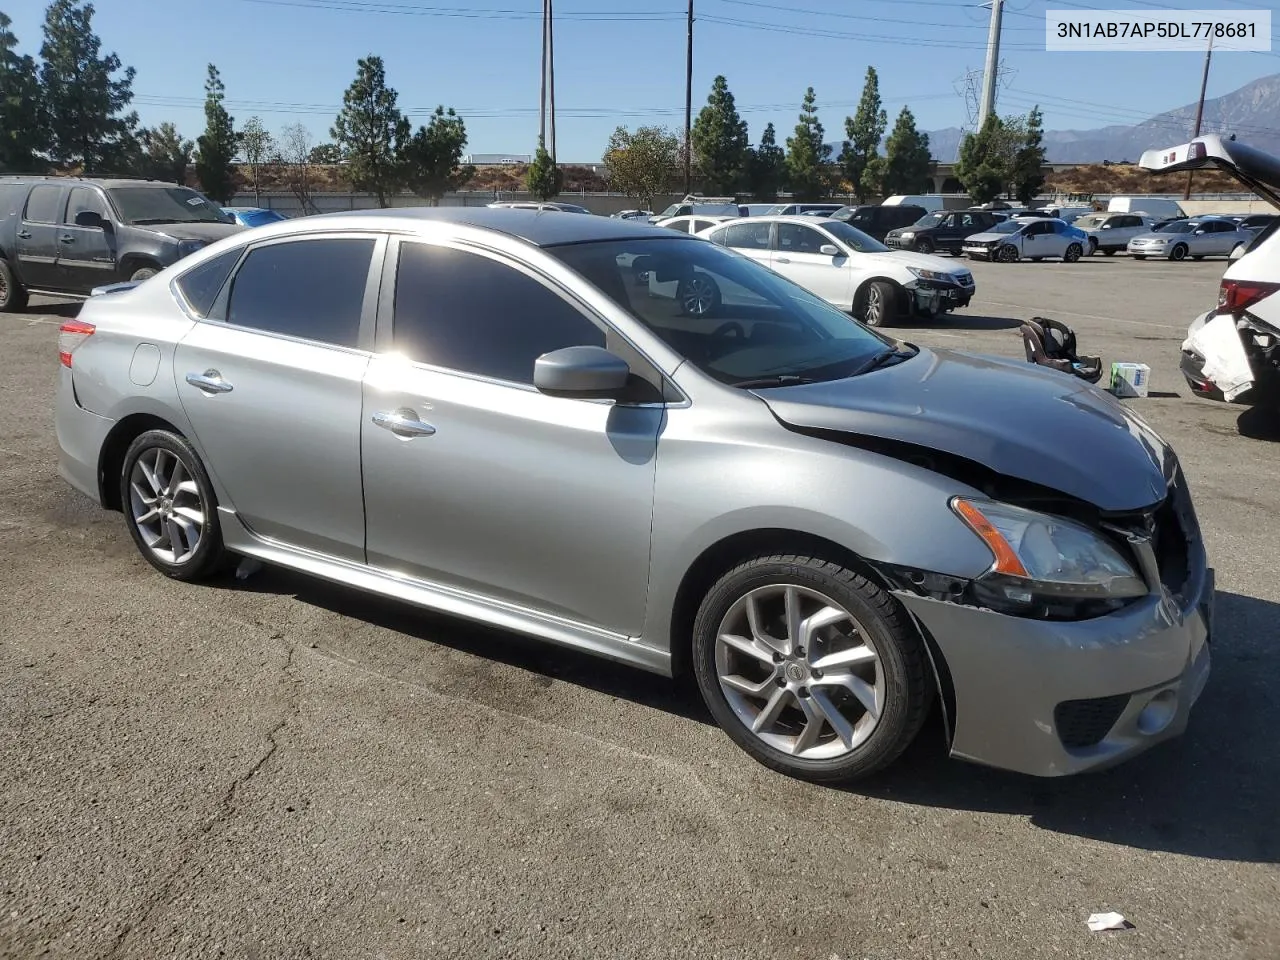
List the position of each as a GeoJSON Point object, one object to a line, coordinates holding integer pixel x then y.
{"type": "Point", "coordinates": [1084, 723]}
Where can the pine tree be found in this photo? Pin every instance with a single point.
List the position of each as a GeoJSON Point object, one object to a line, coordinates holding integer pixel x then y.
{"type": "Point", "coordinates": [433, 157]}
{"type": "Point", "coordinates": [1028, 163]}
{"type": "Point", "coordinates": [907, 164]}
{"type": "Point", "coordinates": [807, 154]}
{"type": "Point", "coordinates": [372, 131]}
{"type": "Point", "coordinates": [167, 154]}
{"type": "Point", "coordinates": [22, 125]}
{"type": "Point", "coordinates": [767, 167]}
{"type": "Point", "coordinates": [83, 97]}
{"type": "Point", "coordinates": [217, 143]}
{"type": "Point", "coordinates": [864, 131]}
{"type": "Point", "coordinates": [720, 141]}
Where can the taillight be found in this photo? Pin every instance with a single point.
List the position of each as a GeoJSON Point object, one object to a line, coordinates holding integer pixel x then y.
{"type": "Point", "coordinates": [1237, 296]}
{"type": "Point", "coordinates": [70, 335]}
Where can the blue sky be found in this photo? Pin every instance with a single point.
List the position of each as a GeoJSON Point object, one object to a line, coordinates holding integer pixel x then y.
{"type": "Point", "coordinates": [623, 61]}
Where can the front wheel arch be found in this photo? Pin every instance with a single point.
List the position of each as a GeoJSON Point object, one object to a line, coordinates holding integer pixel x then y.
{"type": "Point", "coordinates": [721, 557]}
{"type": "Point", "coordinates": [133, 262]}
{"type": "Point", "coordinates": [858, 295]}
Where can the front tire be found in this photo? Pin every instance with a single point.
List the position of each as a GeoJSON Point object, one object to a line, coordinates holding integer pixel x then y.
{"type": "Point", "coordinates": [698, 296]}
{"type": "Point", "coordinates": [1073, 253]}
{"type": "Point", "coordinates": [879, 304]}
{"type": "Point", "coordinates": [13, 295]}
{"type": "Point", "coordinates": [1008, 254]}
{"type": "Point", "coordinates": [924, 245]}
{"type": "Point", "coordinates": [170, 508]}
{"type": "Point", "coordinates": [1179, 252]}
{"type": "Point", "coordinates": [810, 668]}
{"type": "Point", "coordinates": [143, 273]}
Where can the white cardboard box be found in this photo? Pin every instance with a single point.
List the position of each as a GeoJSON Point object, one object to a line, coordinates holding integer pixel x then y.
{"type": "Point", "coordinates": [1129, 379]}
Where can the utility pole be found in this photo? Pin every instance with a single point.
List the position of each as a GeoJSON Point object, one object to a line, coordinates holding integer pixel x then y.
{"type": "Point", "coordinates": [1204, 85]}
{"type": "Point", "coordinates": [551, 61]}
{"type": "Point", "coordinates": [988, 104]}
{"type": "Point", "coordinates": [542, 96]}
{"type": "Point", "coordinates": [688, 107]}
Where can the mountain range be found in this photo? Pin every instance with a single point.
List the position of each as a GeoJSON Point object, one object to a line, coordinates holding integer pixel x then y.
{"type": "Point", "coordinates": [1252, 113]}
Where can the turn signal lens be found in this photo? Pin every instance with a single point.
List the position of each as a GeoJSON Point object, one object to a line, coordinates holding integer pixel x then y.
{"type": "Point", "coordinates": [1007, 561]}
{"type": "Point", "coordinates": [70, 335]}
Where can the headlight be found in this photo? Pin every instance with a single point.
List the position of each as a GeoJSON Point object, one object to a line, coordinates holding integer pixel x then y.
{"type": "Point", "coordinates": [920, 274]}
{"type": "Point", "coordinates": [1042, 559]}
{"type": "Point", "coordinates": [907, 235]}
{"type": "Point", "coordinates": [188, 247]}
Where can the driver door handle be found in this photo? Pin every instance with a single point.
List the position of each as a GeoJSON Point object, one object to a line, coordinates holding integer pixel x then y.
{"type": "Point", "coordinates": [210, 382]}
{"type": "Point", "coordinates": [404, 423]}
{"type": "Point", "coordinates": [782, 260]}
{"type": "Point", "coordinates": [66, 238]}
{"type": "Point", "coordinates": [24, 235]}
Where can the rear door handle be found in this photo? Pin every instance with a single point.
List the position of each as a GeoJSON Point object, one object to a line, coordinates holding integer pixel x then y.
{"type": "Point", "coordinates": [210, 382]}
{"type": "Point", "coordinates": [24, 235]}
{"type": "Point", "coordinates": [404, 423]}
{"type": "Point", "coordinates": [66, 239]}
{"type": "Point", "coordinates": [782, 260]}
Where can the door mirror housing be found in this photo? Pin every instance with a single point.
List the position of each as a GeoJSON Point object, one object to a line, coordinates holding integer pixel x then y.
{"type": "Point", "coordinates": [829, 250]}
{"type": "Point", "coordinates": [89, 218]}
{"type": "Point", "coordinates": [582, 372]}
{"type": "Point", "coordinates": [1198, 232]}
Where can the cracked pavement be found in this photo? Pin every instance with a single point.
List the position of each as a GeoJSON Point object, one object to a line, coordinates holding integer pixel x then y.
{"type": "Point", "coordinates": [280, 768]}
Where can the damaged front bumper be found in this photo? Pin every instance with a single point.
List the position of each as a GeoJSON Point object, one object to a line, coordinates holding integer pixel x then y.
{"type": "Point", "coordinates": [930, 297]}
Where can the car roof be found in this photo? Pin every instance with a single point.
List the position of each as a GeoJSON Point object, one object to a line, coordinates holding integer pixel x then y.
{"type": "Point", "coordinates": [99, 181]}
{"type": "Point", "coordinates": [543, 228]}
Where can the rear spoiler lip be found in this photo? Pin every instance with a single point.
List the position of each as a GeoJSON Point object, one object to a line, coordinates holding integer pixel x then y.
{"type": "Point", "coordinates": [110, 288]}
{"type": "Point", "coordinates": [1256, 169]}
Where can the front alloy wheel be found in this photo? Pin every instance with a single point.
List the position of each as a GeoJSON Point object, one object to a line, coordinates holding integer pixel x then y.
{"type": "Point", "coordinates": [1008, 254]}
{"type": "Point", "coordinates": [1073, 253]}
{"type": "Point", "coordinates": [810, 668]}
{"type": "Point", "coordinates": [699, 296]}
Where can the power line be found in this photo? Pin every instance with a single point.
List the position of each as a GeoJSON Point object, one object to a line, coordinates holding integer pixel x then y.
{"type": "Point", "coordinates": [467, 13]}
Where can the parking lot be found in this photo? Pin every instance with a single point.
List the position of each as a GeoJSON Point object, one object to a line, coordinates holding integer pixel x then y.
{"type": "Point", "coordinates": [280, 768]}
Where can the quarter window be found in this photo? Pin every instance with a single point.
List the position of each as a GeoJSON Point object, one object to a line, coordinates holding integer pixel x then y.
{"type": "Point", "coordinates": [311, 289]}
{"type": "Point", "coordinates": [471, 313]}
{"type": "Point", "coordinates": [42, 205]}
{"type": "Point", "coordinates": [201, 285]}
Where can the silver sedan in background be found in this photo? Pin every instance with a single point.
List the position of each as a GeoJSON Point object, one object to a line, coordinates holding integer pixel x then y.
{"type": "Point", "coordinates": [1196, 238]}
{"type": "Point", "coordinates": [480, 412]}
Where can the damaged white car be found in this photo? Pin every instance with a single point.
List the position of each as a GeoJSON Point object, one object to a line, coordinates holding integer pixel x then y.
{"type": "Point", "coordinates": [1232, 352]}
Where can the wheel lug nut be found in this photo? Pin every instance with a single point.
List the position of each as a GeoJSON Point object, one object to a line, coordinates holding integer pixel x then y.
{"type": "Point", "coordinates": [804, 692]}
{"type": "Point", "coordinates": [817, 674]}
{"type": "Point", "coordinates": [799, 651]}
{"type": "Point", "coordinates": [781, 681]}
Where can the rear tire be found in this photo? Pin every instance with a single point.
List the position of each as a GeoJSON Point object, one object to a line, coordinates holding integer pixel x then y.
{"type": "Point", "coordinates": [879, 306]}
{"type": "Point", "coordinates": [13, 295]}
{"type": "Point", "coordinates": [879, 695]}
{"type": "Point", "coordinates": [170, 508]}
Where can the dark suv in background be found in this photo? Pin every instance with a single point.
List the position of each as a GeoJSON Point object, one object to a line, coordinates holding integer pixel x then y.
{"type": "Point", "coordinates": [877, 221]}
{"type": "Point", "coordinates": [943, 231]}
{"type": "Point", "coordinates": [66, 235]}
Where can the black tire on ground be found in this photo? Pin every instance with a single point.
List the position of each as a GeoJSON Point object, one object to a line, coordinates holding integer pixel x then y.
{"type": "Point", "coordinates": [1179, 252]}
{"type": "Point", "coordinates": [210, 557]}
{"type": "Point", "coordinates": [924, 245]}
{"type": "Point", "coordinates": [1074, 252]}
{"type": "Point", "coordinates": [879, 306]}
{"type": "Point", "coordinates": [13, 295]}
{"type": "Point", "coordinates": [143, 273]}
{"type": "Point", "coordinates": [1139, 256]}
{"type": "Point", "coordinates": [908, 689]}
{"type": "Point", "coordinates": [1109, 252]}
{"type": "Point", "coordinates": [1093, 246]}
{"type": "Point", "coordinates": [1008, 254]}
{"type": "Point", "coordinates": [698, 296]}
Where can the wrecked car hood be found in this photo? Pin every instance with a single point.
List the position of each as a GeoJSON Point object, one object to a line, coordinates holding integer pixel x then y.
{"type": "Point", "coordinates": [1013, 417]}
{"type": "Point", "coordinates": [196, 231]}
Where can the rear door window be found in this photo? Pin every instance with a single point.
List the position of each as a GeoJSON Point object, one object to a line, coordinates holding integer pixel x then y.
{"type": "Point", "coordinates": [309, 289]}
{"type": "Point", "coordinates": [42, 205]}
{"type": "Point", "coordinates": [745, 236]}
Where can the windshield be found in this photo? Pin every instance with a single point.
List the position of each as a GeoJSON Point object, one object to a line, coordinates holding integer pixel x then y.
{"type": "Point", "coordinates": [930, 220]}
{"type": "Point", "coordinates": [1005, 226]}
{"type": "Point", "coordinates": [852, 237]}
{"type": "Point", "coordinates": [671, 211]}
{"type": "Point", "coordinates": [1089, 222]}
{"type": "Point", "coordinates": [143, 205]}
{"type": "Point", "coordinates": [777, 209]}
{"type": "Point", "coordinates": [762, 325]}
{"type": "Point", "coordinates": [1178, 226]}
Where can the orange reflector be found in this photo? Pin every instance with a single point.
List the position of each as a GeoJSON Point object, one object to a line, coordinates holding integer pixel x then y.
{"type": "Point", "coordinates": [1007, 561]}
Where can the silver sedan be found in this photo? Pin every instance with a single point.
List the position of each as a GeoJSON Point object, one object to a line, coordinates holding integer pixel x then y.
{"type": "Point", "coordinates": [480, 412]}
{"type": "Point", "coordinates": [1197, 239]}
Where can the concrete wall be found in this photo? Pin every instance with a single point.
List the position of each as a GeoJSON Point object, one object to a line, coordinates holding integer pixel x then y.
{"type": "Point", "coordinates": [1195, 207]}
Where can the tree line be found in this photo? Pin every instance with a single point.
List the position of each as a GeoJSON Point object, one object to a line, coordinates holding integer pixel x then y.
{"type": "Point", "coordinates": [70, 112]}
{"type": "Point", "coordinates": [1005, 157]}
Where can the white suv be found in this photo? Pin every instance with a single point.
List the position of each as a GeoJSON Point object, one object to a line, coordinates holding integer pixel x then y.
{"type": "Point", "coordinates": [1110, 233]}
{"type": "Point", "coordinates": [1232, 352]}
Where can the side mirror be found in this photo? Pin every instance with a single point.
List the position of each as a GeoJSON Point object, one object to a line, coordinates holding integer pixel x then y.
{"type": "Point", "coordinates": [88, 218]}
{"type": "Point", "coordinates": [829, 250]}
{"type": "Point", "coordinates": [583, 372]}
{"type": "Point", "coordinates": [1106, 226]}
{"type": "Point", "coordinates": [1198, 232]}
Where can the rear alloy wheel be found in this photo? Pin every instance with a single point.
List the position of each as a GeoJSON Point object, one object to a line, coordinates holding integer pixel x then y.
{"type": "Point", "coordinates": [1179, 252]}
{"type": "Point", "coordinates": [1008, 254]}
{"type": "Point", "coordinates": [879, 304]}
{"type": "Point", "coordinates": [1074, 252]}
{"type": "Point", "coordinates": [698, 296]}
{"type": "Point", "coordinates": [810, 668]}
{"type": "Point", "coordinates": [169, 506]}
{"type": "Point", "coordinates": [12, 294]}
{"type": "Point", "coordinates": [924, 245]}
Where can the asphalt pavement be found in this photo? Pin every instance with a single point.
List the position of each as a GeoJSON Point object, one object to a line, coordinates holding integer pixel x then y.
{"type": "Point", "coordinates": [279, 768]}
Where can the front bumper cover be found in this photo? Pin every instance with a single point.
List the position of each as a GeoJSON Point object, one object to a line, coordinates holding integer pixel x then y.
{"type": "Point", "coordinates": [935, 296]}
{"type": "Point", "coordinates": [1010, 675]}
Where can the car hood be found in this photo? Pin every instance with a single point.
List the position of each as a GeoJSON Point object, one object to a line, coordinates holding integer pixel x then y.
{"type": "Point", "coordinates": [1015, 418]}
{"type": "Point", "coordinates": [921, 261]}
{"type": "Point", "coordinates": [985, 237]}
{"type": "Point", "coordinates": [1156, 236]}
{"type": "Point", "coordinates": [195, 231]}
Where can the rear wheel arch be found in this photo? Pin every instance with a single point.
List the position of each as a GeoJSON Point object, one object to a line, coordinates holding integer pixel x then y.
{"type": "Point", "coordinates": [731, 551]}
{"type": "Point", "coordinates": [116, 446]}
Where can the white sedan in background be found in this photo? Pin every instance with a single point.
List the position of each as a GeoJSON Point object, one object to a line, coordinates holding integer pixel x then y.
{"type": "Point", "coordinates": [842, 265]}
